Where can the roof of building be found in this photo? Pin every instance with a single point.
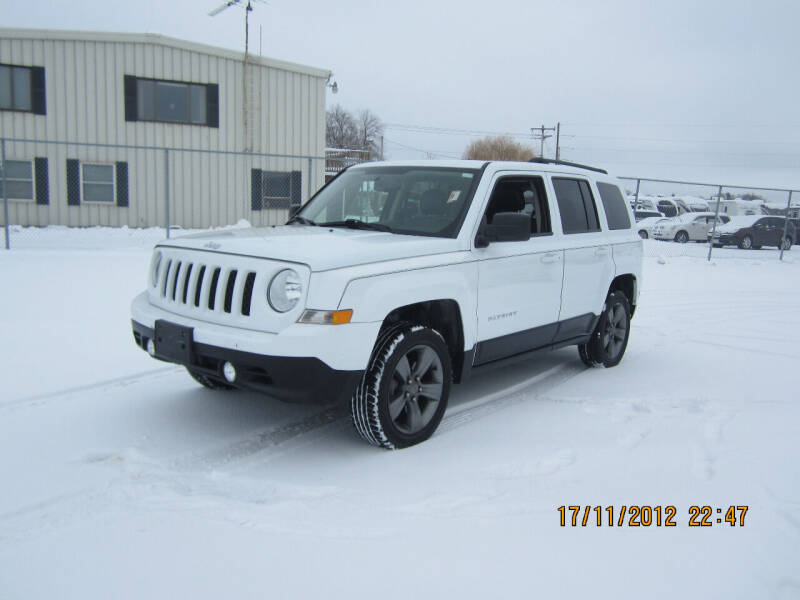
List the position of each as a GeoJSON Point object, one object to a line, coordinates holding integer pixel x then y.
{"type": "Point", "coordinates": [157, 39]}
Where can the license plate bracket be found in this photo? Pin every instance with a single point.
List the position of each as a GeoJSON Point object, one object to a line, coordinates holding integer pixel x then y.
{"type": "Point", "coordinates": [173, 342]}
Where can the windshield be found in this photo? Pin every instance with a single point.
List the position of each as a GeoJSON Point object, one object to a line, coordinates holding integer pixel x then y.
{"type": "Point", "coordinates": [408, 200]}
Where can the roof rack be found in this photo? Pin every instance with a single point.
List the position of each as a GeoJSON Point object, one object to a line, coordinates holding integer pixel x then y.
{"type": "Point", "coordinates": [550, 161]}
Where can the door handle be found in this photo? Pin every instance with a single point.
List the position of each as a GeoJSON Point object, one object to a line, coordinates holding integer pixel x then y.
{"type": "Point", "coordinates": [551, 257]}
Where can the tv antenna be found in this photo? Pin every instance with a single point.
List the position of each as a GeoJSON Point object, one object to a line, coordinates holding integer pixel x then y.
{"type": "Point", "coordinates": [246, 83]}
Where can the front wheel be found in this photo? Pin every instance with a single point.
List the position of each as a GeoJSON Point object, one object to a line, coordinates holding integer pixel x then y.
{"type": "Point", "coordinates": [403, 395]}
{"type": "Point", "coordinates": [746, 243]}
{"type": "Point", "coordinates": [610, 337]}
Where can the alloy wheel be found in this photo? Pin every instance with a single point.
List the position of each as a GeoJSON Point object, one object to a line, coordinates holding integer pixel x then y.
{"type": "Point", "coordinates": [415, 389]}
{"type": "Point", "coordinates": [615, 331]}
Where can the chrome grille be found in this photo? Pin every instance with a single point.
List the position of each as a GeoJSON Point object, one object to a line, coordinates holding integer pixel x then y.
{"type": "Point", "coordinates": [226, 289]}
{"type": "Point", "coordinates": [204, 285]}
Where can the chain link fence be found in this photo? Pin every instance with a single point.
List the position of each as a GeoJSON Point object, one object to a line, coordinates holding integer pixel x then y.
{"type": "Point", "coordinates": [46, 186]}
{"type": "Point", "coordinates": [683, 218]}
{"type": "Point", "coordinates": [150, 192]}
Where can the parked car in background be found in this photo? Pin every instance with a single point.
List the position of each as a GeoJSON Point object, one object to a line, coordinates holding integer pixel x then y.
{"type": "Point", "coordinates": [691, 226]}
{"type": "Point", "coordinates": [645, 227]}
{"type": "Point", "coordinates": [645, 214]}
{"type": "Point", "coordinates": [672, 207]}
{"type": "Point", "coordinates": [753, 232]}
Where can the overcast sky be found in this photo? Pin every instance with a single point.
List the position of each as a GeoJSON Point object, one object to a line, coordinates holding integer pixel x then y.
{"type": "Point", "coordinates": [705, 90]}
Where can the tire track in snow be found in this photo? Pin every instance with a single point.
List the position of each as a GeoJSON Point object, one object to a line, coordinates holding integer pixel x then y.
{"type": "Point", "coordinates": [43, 515]}
{"type": "Point", "coordinates": [127, 380]}
{"type": "Point", "coordinates": [274, 439]}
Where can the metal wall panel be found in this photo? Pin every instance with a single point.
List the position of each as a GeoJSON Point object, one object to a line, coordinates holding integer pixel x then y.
{"type": "Point", "coordinates": [85, 103]}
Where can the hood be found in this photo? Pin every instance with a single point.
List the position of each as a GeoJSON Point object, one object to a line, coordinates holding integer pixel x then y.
{"type": "Point", "coordinates": [737, 223]}
{"type": "Point", "coordinates": [321, 248]}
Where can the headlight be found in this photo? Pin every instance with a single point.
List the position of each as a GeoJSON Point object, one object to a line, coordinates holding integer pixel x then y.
{"type": "Point", "coordinates": [155, 266]}
{"type": "Point", "coordinates": [284, 290]}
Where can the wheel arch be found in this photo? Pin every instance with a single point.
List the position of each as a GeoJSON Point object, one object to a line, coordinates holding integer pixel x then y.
{"type": "Point", "coordinates": [628, 285]}
{"type": "Point", "coordinates": [443, 315]}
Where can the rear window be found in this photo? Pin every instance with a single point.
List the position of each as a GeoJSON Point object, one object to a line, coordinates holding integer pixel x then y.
{"type": "Point", "coordinates": [614, 205]}
{"type": "Point", "coordinates": [576, 205]}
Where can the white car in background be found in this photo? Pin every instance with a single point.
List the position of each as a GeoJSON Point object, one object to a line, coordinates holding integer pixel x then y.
{"type": "Point", "coordinates": [645, 227]}
{"type": "Point", "coordinates": [687, 227]}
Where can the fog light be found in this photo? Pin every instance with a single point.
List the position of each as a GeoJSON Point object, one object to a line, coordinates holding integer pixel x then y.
{"type": "Point", "coordinates": [229, 371]}
{"type": "Point", "coordinates": [151, 347]}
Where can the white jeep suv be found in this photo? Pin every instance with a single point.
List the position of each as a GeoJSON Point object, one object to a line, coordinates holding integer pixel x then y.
{"type": "Point", "coordinates": [396, 280]}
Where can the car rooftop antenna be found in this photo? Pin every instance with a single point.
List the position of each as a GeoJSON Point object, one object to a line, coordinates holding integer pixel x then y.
{"type": "Point", "coordinates": [550, 161]}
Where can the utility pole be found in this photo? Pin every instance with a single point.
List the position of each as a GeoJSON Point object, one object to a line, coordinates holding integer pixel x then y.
{"type": "Point", "coordinates": [539, 134]}
{"type": "Point", "coordinates": [558, 141]}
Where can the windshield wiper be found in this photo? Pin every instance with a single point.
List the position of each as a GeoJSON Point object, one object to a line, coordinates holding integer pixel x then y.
{"type": "Point", "coordinates": [357, 224]}
{"type": "Point", "coordinates": [301, 220]}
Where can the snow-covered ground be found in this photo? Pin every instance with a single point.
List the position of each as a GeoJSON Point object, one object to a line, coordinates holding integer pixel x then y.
{"type": "Point", "coordinates": [122, 478]}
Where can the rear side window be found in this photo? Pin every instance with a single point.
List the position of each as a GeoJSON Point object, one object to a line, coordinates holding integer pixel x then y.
{"type": "Point", "coordinates": [576, 204]}
{"type": "Point", "coordinates": [614, 205]}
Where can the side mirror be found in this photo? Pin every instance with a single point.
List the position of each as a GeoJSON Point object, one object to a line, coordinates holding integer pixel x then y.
{"type": "Point", "coordinates": [505, 227]}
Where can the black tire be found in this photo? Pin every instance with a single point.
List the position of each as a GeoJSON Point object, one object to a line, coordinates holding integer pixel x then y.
{"type": "Point", "coordinates": [212, 383]}
{"type": "Point", "coordinates": [681, 237]}
{"type": "Point", "coordinates": [416, 414]}
{"type": "Point", "coordinates": [785, 244]}
{"type": "Point", "coordinates": [746, 243]}
{"type": "Point", "coordinates": [609, 340]}
{"type": "Point", "coordinates": [643, 234]}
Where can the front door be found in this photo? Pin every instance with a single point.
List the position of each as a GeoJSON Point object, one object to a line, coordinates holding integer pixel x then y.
{"type": "Point", "coordinates": [519, 283]}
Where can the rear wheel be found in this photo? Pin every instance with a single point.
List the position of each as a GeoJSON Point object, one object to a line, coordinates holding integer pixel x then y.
{"type": "Point", "coordinates": [786, 243]}
{"type": "Point", "coordinates": [609, 340]}
{"type": "Point", "coordinates": [403, 395]}
{"type": "Point", "coordinates": [212, 383]}
{"type": "Point", "coordinates": [681, 237]}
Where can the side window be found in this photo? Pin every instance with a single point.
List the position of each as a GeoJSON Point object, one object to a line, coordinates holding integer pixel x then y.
{"type": "Point", "coordinates": [614, 205]}
{"type": "Point", "coordinates": [525, 195]}
{"type": "Point", "coordinates": [578, 212]}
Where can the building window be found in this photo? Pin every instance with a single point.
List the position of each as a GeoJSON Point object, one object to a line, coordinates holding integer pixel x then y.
{"type": "Point", "coordinates": [171, 101]}
{"type": "Point", "coordinates": [275, 189]}
{"type": "Point", "coordinates": [22, 89]}
{"type": "Point", "coordinates": [97, 182]}
{"type": "Point", "coordinates": [19, 176]}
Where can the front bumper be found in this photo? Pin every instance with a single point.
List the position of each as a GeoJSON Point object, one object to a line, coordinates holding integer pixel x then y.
{"type": "Point", "coordinates": [288, 378]}
{"type": "Point", "coordinates": [724, 240]}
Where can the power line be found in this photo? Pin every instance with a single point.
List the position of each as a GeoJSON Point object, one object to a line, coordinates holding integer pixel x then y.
{"type": "Point", "coordinates": [478, 132]}
{"type": "Point", "coordinates": [427, 152]}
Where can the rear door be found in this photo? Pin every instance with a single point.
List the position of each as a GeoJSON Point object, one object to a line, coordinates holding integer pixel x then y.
{"type": "Point", "coordinates": [588, 263]}
{"type": "Point", "coordinates": [761, 232]}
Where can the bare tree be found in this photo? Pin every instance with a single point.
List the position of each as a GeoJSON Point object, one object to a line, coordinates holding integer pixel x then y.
{"type": "Point", "coordinates": [501, 147]}
{"type": "Point", "coordinates": [370, 130]}
{"type": "Point", "coordinates": [360, 132]}
{"type": "Point", "coordinates": [340, 129]}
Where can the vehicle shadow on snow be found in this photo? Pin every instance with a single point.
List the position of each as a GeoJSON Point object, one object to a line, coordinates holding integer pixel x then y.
{"type": "Point", "coordinates": [229, 426]}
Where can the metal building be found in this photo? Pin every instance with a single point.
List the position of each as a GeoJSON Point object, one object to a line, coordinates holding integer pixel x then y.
{"type": "Point", "coordinates": [145, 130]}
